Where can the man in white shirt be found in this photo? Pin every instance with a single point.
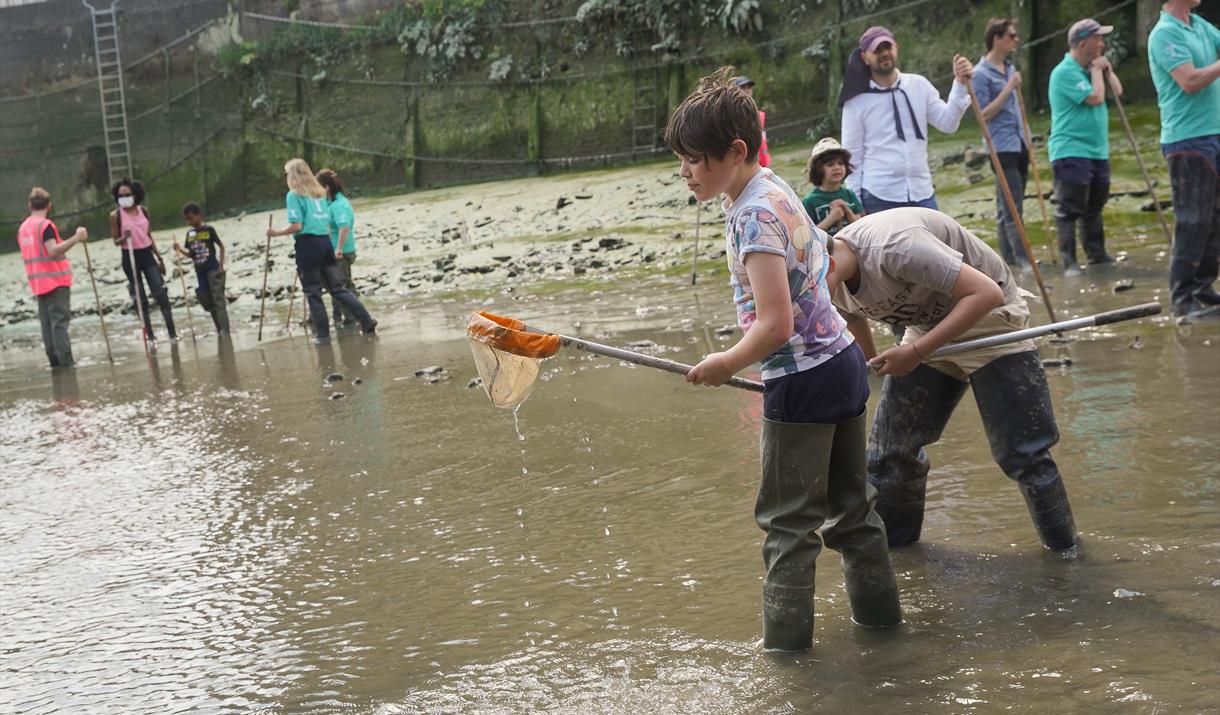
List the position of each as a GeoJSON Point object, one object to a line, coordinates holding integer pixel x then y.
{"type": "Point", "coordinates": [886, 115]}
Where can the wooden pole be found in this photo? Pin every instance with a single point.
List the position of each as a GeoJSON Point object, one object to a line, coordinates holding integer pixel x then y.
{"type": "Point", "coordinates": [1033, 164]}
{"type": "Point", "coordinates": [1012, 205]}
{"type": "Point", "coordinates": [97, 300]}
{"type": "Point", "coordinates": [1122, 113]}
{"type": "Point", "coordinates": [262, 306]}
{"type": "Point", "coordinates": [186, 299]}
{"type": "Point", "coordinates": [292, 296]}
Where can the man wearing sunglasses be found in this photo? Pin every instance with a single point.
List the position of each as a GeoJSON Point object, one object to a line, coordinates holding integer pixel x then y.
{"type": "Point", "coordinates": [996, 84]}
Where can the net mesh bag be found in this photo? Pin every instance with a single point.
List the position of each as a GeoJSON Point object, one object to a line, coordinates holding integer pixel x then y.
{"type": "Point", "coordinates": [507, 355]}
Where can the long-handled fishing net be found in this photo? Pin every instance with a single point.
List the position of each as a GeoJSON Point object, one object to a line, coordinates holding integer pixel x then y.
{"type": "Point", "coordinates": [507, 353]}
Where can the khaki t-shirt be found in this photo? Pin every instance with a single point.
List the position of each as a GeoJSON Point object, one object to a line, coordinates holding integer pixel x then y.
{"type": "Point", "coordinates": [908, 261]}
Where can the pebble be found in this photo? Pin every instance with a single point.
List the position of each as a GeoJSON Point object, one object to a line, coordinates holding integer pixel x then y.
{"type": "Point", "coordinates": [1057, 362]}
{"type": "Point", "coordinates": [1123, 285]}
{"type": "Point", "coordinates": [357, 381]}
{"type": "Point", "coordinates": [1124, 593]}
{"type": "Point", "coordinates": [337, 396]}
{"type": "Point", "coordinates": [474, 382]}
{"type": "Point", "coordinates": [334, 377]}
{"type": "Point", "coordinates": [430, 370]}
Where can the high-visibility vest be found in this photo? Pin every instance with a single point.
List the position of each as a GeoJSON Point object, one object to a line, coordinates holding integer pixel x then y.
{"type": "Point", "coordinates": [44, 272]}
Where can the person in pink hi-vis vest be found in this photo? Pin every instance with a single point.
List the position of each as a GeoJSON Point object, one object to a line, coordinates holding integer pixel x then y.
{"type": "Point", "coordinates": [747, 86]}
{"type": "Point", "coordinates": [49, 274]}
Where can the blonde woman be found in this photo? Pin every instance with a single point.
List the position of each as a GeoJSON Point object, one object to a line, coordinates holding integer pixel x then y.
{"type": "Point", "coordinates": [309, 224]}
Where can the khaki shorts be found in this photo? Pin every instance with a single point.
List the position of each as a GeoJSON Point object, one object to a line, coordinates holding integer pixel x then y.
{"type": "Point", "coordinates": [1005, 319]}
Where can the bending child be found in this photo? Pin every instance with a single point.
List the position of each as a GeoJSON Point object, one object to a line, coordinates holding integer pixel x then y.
{"type": "Point", "coordinates": [813, 429]}
{"type": "Point", "coordinates": [919, 269]}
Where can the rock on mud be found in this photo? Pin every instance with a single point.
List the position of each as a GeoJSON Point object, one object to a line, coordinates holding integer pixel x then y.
{"type": "Point", "coordinates": [336, 396]}
{"type": "Point", "coordinates": [334, 377]}
{"type": "Point", "coordinates": [429, 371]}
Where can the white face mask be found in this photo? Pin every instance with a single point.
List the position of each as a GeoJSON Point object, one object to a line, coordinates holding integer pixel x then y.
{"type": "Point", "coordinates": [127, 201]}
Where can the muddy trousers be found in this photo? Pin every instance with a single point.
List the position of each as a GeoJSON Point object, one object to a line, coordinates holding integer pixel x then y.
{"type": "Point", "coordinates": [211, 297]}
{"type": "Point", "coordinates": [813, 478]}
{"type": "Point", "coordinates": [1196, 235]}
{"type": "Point", "coordinates": [344, 266]}
{"type": "Point", "coordinates": [1016, 174]}
{"type": "Point", "coordinates": [146, 265]}
{"type": "Point", "coordinates": [316, 264]}
{"type": "Point", "coordinates": [1082, 187]}
{"type": "Point", "coordinates": [1015, 405]}
{"type": "Point", "coordinates": [54, 312]}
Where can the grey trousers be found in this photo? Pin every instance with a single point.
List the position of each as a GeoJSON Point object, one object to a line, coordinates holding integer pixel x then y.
{"type": "Point", "coordinates": [54, 312]}
{"type": "Point", "coordinates": [344, 266]}
{"type": "Point", "coordinates": [1016, 172]}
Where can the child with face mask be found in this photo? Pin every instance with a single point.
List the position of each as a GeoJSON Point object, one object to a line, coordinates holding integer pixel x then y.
{"type": "Point", "coordinates": [129, 228]}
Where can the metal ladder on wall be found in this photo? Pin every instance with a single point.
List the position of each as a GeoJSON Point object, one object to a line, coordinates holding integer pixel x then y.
{"type": "Point", "coordinates": [644, 131]}
{"type": "Point", "coordinates": [110, 86]}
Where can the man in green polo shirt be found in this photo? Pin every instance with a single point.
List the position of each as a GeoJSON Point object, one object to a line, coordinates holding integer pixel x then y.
{"type": "Point", "coordinates": [1182, 54]}
{"type": "Point", "coordinates": [1079, 144]}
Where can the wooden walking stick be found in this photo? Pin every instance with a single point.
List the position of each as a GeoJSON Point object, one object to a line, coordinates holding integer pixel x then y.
{"type": "Point", "coordinates": [1033, 164]}
{"type": "Point", "coordinates": [1122, 113]}
{"type": "Point", "coordinates": [137, 285]}
{"type": "Point", "coordinates": [1012, 205]}
{"type": "Point", "coordinates": [186, 298]}
{"type": "Point", "coordinates": [292, 296]}
{"type": "Point", "coordinates": [262, 306]}
{"type": "Point", "coordinates": [97, 300]}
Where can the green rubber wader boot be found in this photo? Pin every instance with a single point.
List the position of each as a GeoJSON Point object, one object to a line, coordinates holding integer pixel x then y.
{"type": "Point", "coordinates": [791, 506]}
{"type": "Point", "coordinates": [857, 532]}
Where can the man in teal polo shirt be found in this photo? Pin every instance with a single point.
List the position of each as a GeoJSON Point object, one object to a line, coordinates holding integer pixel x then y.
{"type": "Point", "coordinates": [1182, 53]}
{"type": "Point", "coordinates": [1079, 144]}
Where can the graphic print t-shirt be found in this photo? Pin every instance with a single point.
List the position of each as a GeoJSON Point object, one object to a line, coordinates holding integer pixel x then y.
{"type": "Point", "coordinates": [769, 218]}
{"type": "Point", "coordinates": [201, 244]}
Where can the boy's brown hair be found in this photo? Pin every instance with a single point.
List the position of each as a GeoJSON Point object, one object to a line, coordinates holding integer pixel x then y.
{"type": "Point", "coordinates": [815, 168]}
{"type": "Point", "coordinates": [712, 117]}
{"type": "Point", "coordinates": [997, 27]}
{"type": "Point", "coordinates": [40, 198]}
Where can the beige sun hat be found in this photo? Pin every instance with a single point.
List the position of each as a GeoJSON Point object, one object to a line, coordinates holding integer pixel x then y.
{"type": "Point", "coordinates": [828, 145]}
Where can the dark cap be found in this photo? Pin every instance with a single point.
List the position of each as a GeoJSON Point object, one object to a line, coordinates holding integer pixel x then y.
{"type": "Point", "coordinates": [743, 81]}
{"type": "Point", "coordinates": [1085, 29]}
{"type": "Point", "coordinates": [874, 36]}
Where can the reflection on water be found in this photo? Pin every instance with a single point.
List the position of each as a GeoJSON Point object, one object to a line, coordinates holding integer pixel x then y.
{"type": "Point", "coordinates": [207, 531]}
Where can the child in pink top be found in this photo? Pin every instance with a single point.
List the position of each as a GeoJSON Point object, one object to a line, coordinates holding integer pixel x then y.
{"type": "Point", "coordinates": [129, 227]}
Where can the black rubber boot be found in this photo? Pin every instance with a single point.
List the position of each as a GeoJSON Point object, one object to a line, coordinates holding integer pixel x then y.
{"type": "Point", "coordinates": [1052, 514]}
{"type": "Point", "coordinates": [857, 532]}
{"type": "Point", "coordinates": [1066, 230]}
{"type": "Point", "coordinates": [911, 414]}
{"type": "Point", "coordinates": [1015, 405]}
{"type": "Point", "coordinates": [1193, 266]}
{"type": "Point", "coordinates": [1073, 204]}
{"type": "Point", "coordinates": [791, 507]}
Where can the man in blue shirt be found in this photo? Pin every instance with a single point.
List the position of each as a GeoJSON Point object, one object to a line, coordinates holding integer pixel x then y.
{"type": "Point", "coordinates": [1182, 54]}
{"type": "Point", "coordinates": [996, 84]}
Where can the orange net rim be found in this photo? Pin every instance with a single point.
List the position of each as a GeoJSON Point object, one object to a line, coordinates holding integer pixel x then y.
{"type": "Point", "coordinates": [511, 336]}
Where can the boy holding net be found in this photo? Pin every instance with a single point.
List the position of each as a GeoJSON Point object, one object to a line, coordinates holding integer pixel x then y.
{"type": "Point", "coordinates": [813, 428]}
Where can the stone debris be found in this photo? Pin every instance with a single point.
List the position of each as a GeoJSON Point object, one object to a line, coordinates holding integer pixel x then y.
{"type": "Point", "coordinates": [334, 377]}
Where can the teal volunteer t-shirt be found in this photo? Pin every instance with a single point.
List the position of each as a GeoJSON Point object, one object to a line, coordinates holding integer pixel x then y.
{"type": "Point", "coordinates": [1172, 44]}
{"type": "Point", "coordinates": [341, 215]}
{"type": "Point", "coordinates": [1078, 130]}
{"type": "Point", "coordinates": [311, 213]}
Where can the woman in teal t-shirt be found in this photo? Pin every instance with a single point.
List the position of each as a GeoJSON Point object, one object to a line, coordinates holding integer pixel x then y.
{"type": "Point", "coordinates": [309, 223]}
{"type": "Point", "coordinates": [342, 237]}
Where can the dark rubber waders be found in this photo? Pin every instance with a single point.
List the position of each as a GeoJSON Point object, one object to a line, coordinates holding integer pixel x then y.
{"type": "Point", "coordinates": [811, 474]}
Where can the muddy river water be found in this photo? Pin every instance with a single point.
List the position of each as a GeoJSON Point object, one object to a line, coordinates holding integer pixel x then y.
{"type": "Point", "coordinates": [207, 531]}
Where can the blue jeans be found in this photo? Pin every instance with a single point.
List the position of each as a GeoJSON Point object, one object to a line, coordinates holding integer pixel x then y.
{"type": "Point", "coordinates": [1194, 265]}
{"type": "Point", "coordinates": [872, 204]}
